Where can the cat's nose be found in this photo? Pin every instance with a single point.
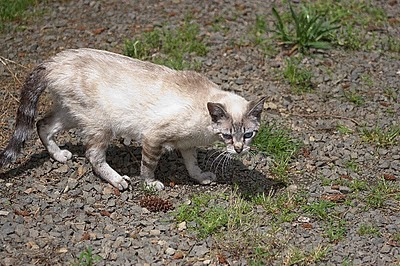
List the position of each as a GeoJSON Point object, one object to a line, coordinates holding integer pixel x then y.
{"type": "Point", "coordinates": [238, 148]}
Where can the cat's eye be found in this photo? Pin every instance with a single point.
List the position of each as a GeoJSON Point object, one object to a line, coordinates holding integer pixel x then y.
{"type": "Point", "coordinates": [227, 136]}
{"type": "Point", "coordinates": [248, 135]}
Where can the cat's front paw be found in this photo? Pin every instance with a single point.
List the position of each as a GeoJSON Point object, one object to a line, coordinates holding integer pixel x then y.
{"type": "Point", "coordinates": [157, 185]}
{"type": "Point", "coordinates": [205, 178]}
{"type": "Point", "coordinates": [121, 183]}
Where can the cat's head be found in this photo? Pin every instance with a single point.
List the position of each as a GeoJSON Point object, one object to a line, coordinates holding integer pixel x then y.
{"type": "Point", "coordinates": [236, 131]}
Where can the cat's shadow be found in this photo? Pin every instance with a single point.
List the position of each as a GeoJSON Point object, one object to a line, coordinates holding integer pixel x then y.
{"type": "Point", "coordinates": [170, 170]}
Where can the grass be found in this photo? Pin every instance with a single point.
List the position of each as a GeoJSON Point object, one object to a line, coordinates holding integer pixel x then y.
{"type": "Point", "coordinates": [368, 229]}
{"type": "Point", "coordinates": [306, 28]}
{"type": "Point", "coordinates": [382, 137]}
{"type": "Point", "coordinates": [344, 130]}
{"type": "Point", "coordinates": [278, 144]}
{"type": "Point", "coordinates": [354, 97]}
{"type": "Point", "coordinates": [296, 256]}
{"type": "Point", "coordinates": [87, 258]}
{"type": "Point", "coordinates": [320, 208]}
{"type": "Point", "coordinates": [352, 166]}
{"type": "Point", "coordinates": [13, 9]}
{"type": "Point", "coordinates": [335, 229]}
{"type": "Point", "coordinates": [299, 77]}
{"type": "Point", "coordinates": [381, 192]}
{"type": "Point", "coordinates": [175, 48]}
{"type": "Point", "coordinates": [260, 39]}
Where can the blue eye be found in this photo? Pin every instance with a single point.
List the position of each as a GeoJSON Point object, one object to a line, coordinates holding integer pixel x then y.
{"type": "Point", "coordinates": [248, 135]}
{"type": "Point", "coordinates": [227, 136]}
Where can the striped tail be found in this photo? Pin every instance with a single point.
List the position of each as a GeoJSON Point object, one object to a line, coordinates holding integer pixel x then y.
{"type": "Point", "coordinates": [25, 121]}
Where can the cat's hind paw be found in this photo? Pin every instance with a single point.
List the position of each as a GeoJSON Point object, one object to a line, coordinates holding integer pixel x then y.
{"type": "Point", "coordinates": [62, 156]}
{"type": "Point", "coordinates": [205, 178]}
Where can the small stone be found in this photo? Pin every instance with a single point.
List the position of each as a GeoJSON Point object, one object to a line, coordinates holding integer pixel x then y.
{"type": "Point", "coordinates": [170, 251]}
{"type": "Point", "coordinates": [303, 219]}
{"type": "Point", "coordinates": [206, 262]}
{"type": "Point", "coordinates": [63, 169]}
{"type": "Point", "coordinates": [292, 188]}
{"type": "Point", "coordinates": [200, 251]}
{"type": "Point", "coordinates": [155, 232]}
{"type": "Point", "coordinates": [4, 213]}
{"type": "Point", "coordinates": [182, 226]}
{"type": "Point", "coordinates": [344, 189]}
{"type": "Point", "coordinates": [62, 250]}
{"type": "Point", "coordinates": [385, 249]}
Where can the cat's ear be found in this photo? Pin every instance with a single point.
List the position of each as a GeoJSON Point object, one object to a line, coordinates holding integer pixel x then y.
{"type": "Point", "coordinates": [255, 108]}
{"type": "Point", "coordinates": [217, 112]}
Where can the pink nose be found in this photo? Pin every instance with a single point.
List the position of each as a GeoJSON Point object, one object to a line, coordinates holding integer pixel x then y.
{"type": "Point", "coordinates": [238, 148]}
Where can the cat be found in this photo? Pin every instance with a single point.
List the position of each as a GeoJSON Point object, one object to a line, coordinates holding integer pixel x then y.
{"type": "Point", "coordinates": [108, 95]}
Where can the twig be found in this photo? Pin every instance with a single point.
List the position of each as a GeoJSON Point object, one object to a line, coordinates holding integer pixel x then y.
{"type": "Point", "coordinates": [327, 115]}
{"type": "Point", "coordinates": [3, 59]}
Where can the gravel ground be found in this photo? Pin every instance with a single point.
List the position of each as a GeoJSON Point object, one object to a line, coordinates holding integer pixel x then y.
{"type": "Point", "coordinates": [50, 212]}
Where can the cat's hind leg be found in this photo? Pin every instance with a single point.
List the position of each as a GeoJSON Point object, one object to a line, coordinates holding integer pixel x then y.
{"type": "Point", "coordinates": [190, 159]}
{"type": "Point", "coordinates": [151, 153]}
{"type": "Point", "coordinates": [54, 122]}
{"type": "Point", "coordinates": [96, 154]}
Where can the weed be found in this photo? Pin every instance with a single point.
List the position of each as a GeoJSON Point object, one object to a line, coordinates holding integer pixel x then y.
{"type": "Point", "coordinates": [391, 93]}
{"type": "Point", "coordinates": [392, 44]}
{"type": "Point", "coordinates": [278, 144]}
{"type": "Point", "coordinates": [350, 38]}
{"type": "Point", "coordinates": [170, 47]}
{"type": "Point", "coordinates": [354, 97]}
{"type": "Point", "coordinates": [320, 208]}
{"type": "Point", "coordinates": [298, 77]}
{"type": "Point", "coordinates": [296, 256]}
{"type": "Point", "coordinates": [87, 258]}
{"type": "Point", "coordinates": [358, 185]}
{"type": "Point", "coordinates": [13, 9]}
{"type": "Point", "coordinates": [368, 229]}
{"type": "Point", "coordinates": [308, 29]}
{"type": "Point", "coordinates": [382, 137]}
{"type": "Point", "coordinates": [259, 38]}
{"type": "Point", "coordinates": [381, 191]}
{"type": "Point", "coordinates": [342, 129]}
{"type": "Point", "coordinates": [335, 230]}
{"type": "Point", "coordinates": [352, 166]}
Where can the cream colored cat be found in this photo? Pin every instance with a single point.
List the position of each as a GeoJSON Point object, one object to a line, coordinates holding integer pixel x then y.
{"type": "Point", "coordinates": [107, 95]}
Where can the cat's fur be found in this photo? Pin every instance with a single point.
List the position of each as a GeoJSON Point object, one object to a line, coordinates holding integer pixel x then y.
{"type": "Point", "coordinates": [108, 95]}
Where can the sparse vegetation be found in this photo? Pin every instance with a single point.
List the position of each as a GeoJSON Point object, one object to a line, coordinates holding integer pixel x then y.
{"type": "Point", "coordinates": [13, 9]}
{"type": "Point", "coordinates": [170, 47]}
{"type": "Point", "coordinates": [87, 258]}
{"type": "Point", "coordinates": [368, 229]}
{"type": "Point", "coordinates": [299, 77]}
{"type": "Point", "coordinates": [382, 137]}
{"type": "Point", "coordinates": [278, 144]}
{"type": "Point", "coordinates": [321, 208]}
{"type": "Point", "coordinates": [306, 28]}
{"type": "Point", "coordinates": [354, 97]}
{"type": "Point", "coordinates": [342, 129]}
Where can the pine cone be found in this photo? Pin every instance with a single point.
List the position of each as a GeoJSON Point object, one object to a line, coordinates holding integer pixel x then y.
{"type": "Point", "coordinates": [156, 204]}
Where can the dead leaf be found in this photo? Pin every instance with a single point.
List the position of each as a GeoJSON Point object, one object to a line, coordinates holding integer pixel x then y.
{"type": "Point", "coordinates": [85, 236]}
{"type": "Point", "coordinates": [29, 190]}
{"type": "Point", "coordinates": [306, 152]}
{"type": "Point", "coordinates": [389, 177]}
{"type": "Point", "coordinates": [117, 192]}
{"type": "Point", "coordinates": [335, 187]}
{"type": "Point", "coordinates": [345, 85]}
{"type": "Point", "coordinates": [22, 213]}
{"type": "Point", "coordinates": [98, 31]}
{"type": "Point", "coordinates": [393, 21]}
{"type": "Point", "coordinates": [392, 2]}
{"type": "Point", "coordinates": [307, 226]}
{"type": "Point", "coordinates": [221, 259]}
{"type": "Point", "coordinates": [334, 197]}
{"type": "Point", "coordinates": [346, 177]}
{"type": "Point", "coordinates": [172, 184]}
{"type": "Point", "coordinates": [105, 213]}
{"type": "Point", "coordinates": [178, 255]}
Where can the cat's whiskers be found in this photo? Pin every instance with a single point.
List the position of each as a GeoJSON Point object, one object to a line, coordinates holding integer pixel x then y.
{"type": "Point", "coordinates": [209, 157]}
{"type": "Point", "coordinates": [216, 159]}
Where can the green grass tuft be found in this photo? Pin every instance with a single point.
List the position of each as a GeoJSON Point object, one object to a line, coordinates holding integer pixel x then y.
{"type": "Point", "coordinates": [175, 48]}
{"type": "Point", "coordinates": [298, 76]}
{"type": "Point", "coordinates": [13, 9]}
{"type": "Point", "coordinates": [306, 28]}
{"type": "Point", "coordinates": [279, 145]}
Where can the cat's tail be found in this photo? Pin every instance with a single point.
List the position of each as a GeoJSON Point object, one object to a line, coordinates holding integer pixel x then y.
{"type": "Point", "coordinates": [25, 121]}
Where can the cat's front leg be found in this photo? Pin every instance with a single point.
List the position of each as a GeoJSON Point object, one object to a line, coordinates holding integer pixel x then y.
{"type": "Point", "coordinates": [190, 159]}
{"type": "Point", "coordinates": [151, 153]}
